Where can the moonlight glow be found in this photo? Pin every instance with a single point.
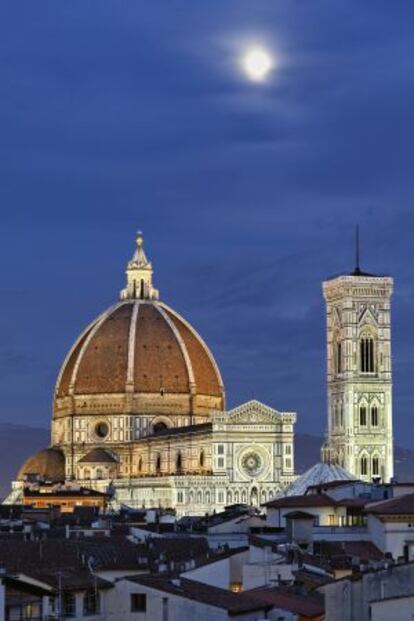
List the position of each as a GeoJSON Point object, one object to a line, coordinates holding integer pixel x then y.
{"type": "Point", "coordinates": [257, 64]}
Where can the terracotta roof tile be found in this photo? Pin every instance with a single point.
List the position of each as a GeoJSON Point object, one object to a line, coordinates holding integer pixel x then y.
{"type": "Point", "coordinates": [403, 505]}
{"type": "Point", "coordinates": [166, 355]}
{"type": "Point", "coordinates": [234, 603]}
{"type": "Point", "coordinates": [103, 365]}
{"type": "Point", "coordinates": [309, 605]}
{"type": "Point", "coordinates": [159, 362]}
{"type": "Point", "coordinates": [49, 464]}
{"type": "Point", "coordinates": [204, 373]}
{"type": "Point", "coordinates": [311, 500]}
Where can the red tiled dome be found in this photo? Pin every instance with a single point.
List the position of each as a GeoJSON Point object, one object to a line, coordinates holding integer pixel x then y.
{"type": "Point", "coordinates": [139, 347]}
{"type": "Point", "coordinates": [48, 464]}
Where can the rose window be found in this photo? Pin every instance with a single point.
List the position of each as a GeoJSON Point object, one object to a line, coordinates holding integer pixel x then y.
{"type": "Point", "coordinates": [251, 463]}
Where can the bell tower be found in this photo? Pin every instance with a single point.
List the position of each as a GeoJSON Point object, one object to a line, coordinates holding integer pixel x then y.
{"type": "Point", "coordinates": [359, 373]}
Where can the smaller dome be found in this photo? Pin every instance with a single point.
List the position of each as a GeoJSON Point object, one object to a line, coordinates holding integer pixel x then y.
{"type": "Point", "coordinates": [48, 464]}
{"type": "Point", "coordinates": [317, 474]}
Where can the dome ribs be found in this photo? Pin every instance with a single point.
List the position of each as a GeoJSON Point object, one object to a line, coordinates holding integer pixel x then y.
{"type": "Point", "coordinates": [129, 387]}
{"type": "Point", "coordinates": [158, 362]}
{"type": "Point", "coordinates": [63, 383]}
{"type": "Point", "coordinates": [206, 374]}
{"type": "Point", "coordinates": [104, 361]}
{"type": "Point", "coordinates": [139, 347]}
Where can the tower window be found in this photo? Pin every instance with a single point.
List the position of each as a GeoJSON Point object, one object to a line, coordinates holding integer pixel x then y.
{"type": "Point", "coordinates": [375, 466]}
{"type": "Point", "coordinates": [179, 463]}
{"type": "Point", "coordinates": [374, 416]}
{"type": "Point", "coordinates": [363, 416]}
{"type": "Point", "coordinates": [364, 466]}
{"type": "Point", "coordinates": [339, 358]}
{"type": "Point", "coordinates": [367, 355]}
{"type": "Point", "coordinates": [158, 463]}
{"type": "Point", "coordinates": [202, 459]}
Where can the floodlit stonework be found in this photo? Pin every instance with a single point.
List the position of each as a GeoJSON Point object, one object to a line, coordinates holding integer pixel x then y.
{"type": "Point", "coordinates": [359, 374]}
{"type": "Point", "coordinates": [139, 409]}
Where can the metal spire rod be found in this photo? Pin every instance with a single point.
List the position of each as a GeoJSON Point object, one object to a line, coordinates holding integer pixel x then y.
{"type": "Point", "coordinates": [357, 246]}
{"type": "Point", "coordinates": [357, 265]}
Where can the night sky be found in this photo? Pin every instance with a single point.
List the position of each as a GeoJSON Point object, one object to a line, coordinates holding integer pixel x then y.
{"type": "Point", "coordinates": [125, 115]}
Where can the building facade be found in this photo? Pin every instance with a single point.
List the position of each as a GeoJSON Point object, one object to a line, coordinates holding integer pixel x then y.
{"type": "Point", "coordinates": [139, 410]}
{"type": "Point", "coordinates": [359, 374]}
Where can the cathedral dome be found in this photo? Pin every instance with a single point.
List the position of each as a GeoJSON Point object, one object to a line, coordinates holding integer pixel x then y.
{"type": "Point", "coordinates": [48, 464]}
{"type": "Point", "coordinates": [139, 356]}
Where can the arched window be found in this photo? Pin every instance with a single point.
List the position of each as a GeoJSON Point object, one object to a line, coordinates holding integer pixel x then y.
{"type": "Point", "coordinates": [202, 458]}
{"type": "Point", "coordinates": [254, 497]}
{"type": "Point", "coordinates": [236, 497]}
{"type": "Point", "coordinates": [364, 465]}
{"type": "Point", "coordinates": [374, 416]}
{"type": "Point", "coordinates": [244, 497]}
{"type": "Point", "coordinates": [367, 354]}
{"type": "Point", "coordinates": [99, 473]}
{"type": "Point", "coordinates": [207, 498]}
{"type": "Point", "coordinates": [363, 416]}
{"type": "Point", "coordinates": [229, 498]}
{"type": "Point", "coordinates": [86, 473]}
{"type": "Point", "coordinates": [199, 498]}
{"type": "Point", "coordinates": [178, 462]}
{"type": "Point", "coordinates": [140, 464]}
{"type": "Point", "coordinates": [375, 466]}
{"type": "Point", "coordinates": [158, 463]}
{"type": "Point", "coordinates": [159, 427]}
{"type": "Point", "coordinates": [336, 417]}
{"type": "Point", "coordinates": [338, 357]}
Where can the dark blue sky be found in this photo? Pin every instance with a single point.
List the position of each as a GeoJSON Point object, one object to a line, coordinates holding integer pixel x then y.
{"type": "Point", "coordinates": [122, 115]}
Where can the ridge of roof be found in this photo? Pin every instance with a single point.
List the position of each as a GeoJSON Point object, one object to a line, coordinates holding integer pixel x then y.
{"type": "Point", "coordinates": [303, 500]}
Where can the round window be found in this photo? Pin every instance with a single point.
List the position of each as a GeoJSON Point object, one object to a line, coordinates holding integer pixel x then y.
{"type": "Point", "coordinates": [102, 430]}
{"type": "Point", "coordinates": [252, 463]}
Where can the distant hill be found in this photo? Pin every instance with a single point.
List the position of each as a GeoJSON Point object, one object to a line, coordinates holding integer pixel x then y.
{"type": "Point", "coordinates": [18, 442]}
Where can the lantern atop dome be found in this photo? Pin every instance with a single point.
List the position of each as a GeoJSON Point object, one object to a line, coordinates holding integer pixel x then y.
{"type": "Point", "coordinates": [139, 275]}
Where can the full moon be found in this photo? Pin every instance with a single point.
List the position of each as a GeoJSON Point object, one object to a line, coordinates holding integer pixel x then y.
{"type": "Point", "coordinates": [257, 64]}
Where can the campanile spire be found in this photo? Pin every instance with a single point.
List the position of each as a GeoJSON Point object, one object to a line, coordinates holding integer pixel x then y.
{"type": "Point", "coordinates": [139, 275]}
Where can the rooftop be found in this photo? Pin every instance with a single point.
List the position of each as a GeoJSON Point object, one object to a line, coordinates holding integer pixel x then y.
{"type": "Point", "coordinates": [403, 505]}
{"type": "Point", "coordinates": [234, 603]}
{"type": "Point", "coordinates": [311, 500]}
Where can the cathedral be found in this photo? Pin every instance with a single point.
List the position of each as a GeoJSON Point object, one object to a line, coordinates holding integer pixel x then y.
{"type": "Point", "coordinates": [139, 409]}
{"type": "Point", "coordinates": [139, 406]}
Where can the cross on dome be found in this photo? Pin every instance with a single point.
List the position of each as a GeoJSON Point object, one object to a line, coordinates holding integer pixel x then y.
{"type": "Point", "coordinates": [139, 275]}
